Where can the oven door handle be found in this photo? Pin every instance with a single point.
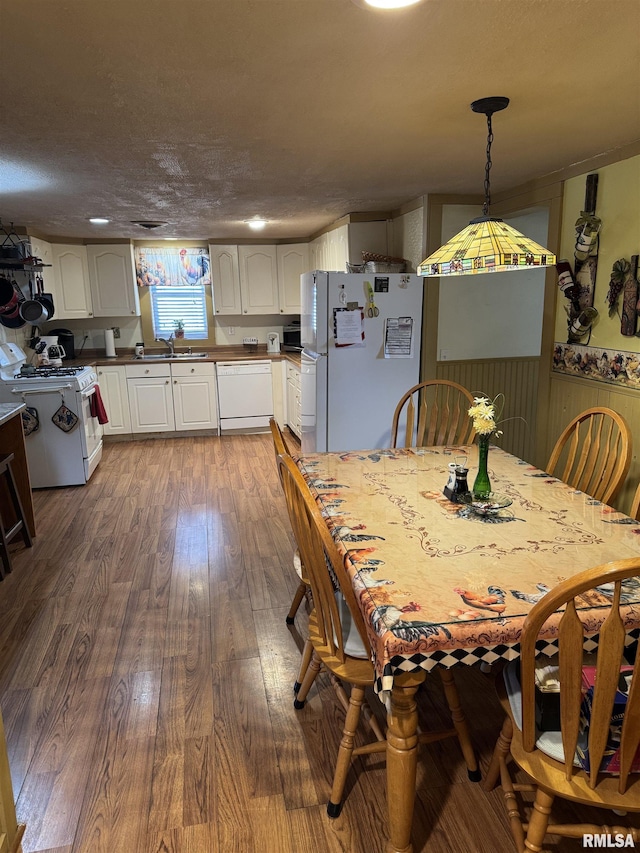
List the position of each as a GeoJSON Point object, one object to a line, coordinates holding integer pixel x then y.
{"type": "Point", "coordinates": [58, 389]}
{"type": "Point", "coordinates": [88, 391]}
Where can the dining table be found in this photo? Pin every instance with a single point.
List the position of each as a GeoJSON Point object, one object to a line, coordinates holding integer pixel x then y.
{"type": "Point", "coordinates": [443, 584]}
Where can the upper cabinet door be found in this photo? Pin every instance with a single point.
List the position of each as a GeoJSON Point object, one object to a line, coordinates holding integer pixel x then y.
{"type": "Point", "coordinates": [71, 271]}
{"type": "Point", "coordinates": [293, 261]}
{"type": "Point", "coordinates": [225, 279]}
{"type": "Point", "coordinates": [113, 282]}
{"type": "Point", "coordinates": [44, 251]}
{"type": "Point", "coordinates": [259, 279]}
{"type": "Point", "coordinates": [338, 249]}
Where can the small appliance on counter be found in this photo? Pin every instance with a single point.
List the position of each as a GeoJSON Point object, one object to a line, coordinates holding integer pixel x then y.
{"type": "Point", "coordinates": [291, 337]}
{"type": "Point", "coordinates": [49, 351]}
{"type": "Point", "coordinates": [66, 341]}
{"type": "Point", "coordinates": [273, 342]}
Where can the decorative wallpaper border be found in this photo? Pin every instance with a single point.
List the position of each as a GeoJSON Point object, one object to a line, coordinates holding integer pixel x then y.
{"type": "Point", "coordinates": [618, 367]}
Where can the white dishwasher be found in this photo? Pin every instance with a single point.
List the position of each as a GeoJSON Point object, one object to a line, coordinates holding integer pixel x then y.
{"type": "Point", "coordinates": [245, 395]}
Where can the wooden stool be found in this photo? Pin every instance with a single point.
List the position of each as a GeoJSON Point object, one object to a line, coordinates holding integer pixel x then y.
{"type": "Point", "coordinates": [20, 525]}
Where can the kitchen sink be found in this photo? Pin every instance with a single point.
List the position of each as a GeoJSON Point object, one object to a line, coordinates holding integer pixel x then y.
{"type": "Point", "coordinates": [173, 356]}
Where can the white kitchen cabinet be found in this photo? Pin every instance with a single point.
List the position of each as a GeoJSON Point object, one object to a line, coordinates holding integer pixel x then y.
{"type": "Point", "coordinates": [294, 400]}
{"type": "Point", "coordinates": [150, 397]}
{"type": "Point", "coordinates": [115, 396]}
{"type": "Point", "coordinates": [330, 251]}
{"type": "Point", "coordinates": [225, 279]}
{"type": "Point", "coordinates": [194, 396]}
{"type": "Point", "coordinates": [44, 251]}
{"type": "Point", "coordinates": [258, 279]}
{"type": "Point", "coordinates": [279, 392]}
{"type": "Point", "coordinates": [293, 261]}
{"type": "Point", "coordinates": [337, 248]}
{"type": "Point", "coordinates": [71, 274]}
{"type": "Point", "coordinates": [112, 279]}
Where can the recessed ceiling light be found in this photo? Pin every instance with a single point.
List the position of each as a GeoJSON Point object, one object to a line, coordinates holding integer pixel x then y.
{"type": "Point", "coordinates": [387, 4]}
{"type": "Point", "coordinates": [99, 220]}
{"type": "Point", "coordinates": [256, 224]}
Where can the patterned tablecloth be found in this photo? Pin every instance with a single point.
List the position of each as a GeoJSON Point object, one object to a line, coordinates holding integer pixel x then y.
{"type": "Point", "coordinates": [439, 584]}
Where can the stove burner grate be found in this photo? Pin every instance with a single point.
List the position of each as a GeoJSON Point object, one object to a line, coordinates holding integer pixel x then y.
{"type": "Point", "coordinates": [50, 372]}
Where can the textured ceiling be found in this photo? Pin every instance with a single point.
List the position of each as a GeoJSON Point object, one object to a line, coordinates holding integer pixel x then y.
{"type": "Point", "coordinates": [204, 113]}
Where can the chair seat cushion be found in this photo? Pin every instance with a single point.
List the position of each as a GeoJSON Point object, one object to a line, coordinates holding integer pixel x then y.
{"type": "Point", "coordinates": [548, 742]}
{"type": "Point", "coordinates": [352, 641]}
{"type": "Point", "coordinates": [297, 563]}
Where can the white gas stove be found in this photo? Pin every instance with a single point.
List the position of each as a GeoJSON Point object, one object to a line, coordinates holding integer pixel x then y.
{"type": "Point", "coordinates": [62, 437]}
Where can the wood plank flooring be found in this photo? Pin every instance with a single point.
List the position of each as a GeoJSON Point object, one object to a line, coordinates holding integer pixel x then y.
{"type": "Point", "coordinates": [146, 676]}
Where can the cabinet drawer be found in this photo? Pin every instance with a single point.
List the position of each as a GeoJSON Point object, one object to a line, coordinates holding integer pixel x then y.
{"type": "Point", "coordinates": [145, 371]}
{"type": "Point", "coordinates": [193, 368]}
{"type": "Point", "coordinates": [293, 374]}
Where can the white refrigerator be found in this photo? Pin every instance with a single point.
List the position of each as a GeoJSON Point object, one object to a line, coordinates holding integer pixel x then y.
{"type": "Point", "coordinates": [361, 337]}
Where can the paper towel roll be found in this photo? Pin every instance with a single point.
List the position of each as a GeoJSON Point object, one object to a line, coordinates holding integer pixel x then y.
{"type": "Point", "coordinates": [109, 345]}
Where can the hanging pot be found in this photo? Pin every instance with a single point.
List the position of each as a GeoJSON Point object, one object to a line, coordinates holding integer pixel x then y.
{"type": "Point", "coordinates": [33, 311]}
{"type": "Point", "coordinates": [10, 296]}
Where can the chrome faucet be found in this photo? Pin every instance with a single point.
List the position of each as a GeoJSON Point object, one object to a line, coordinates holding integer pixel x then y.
{"type": "Point", "coordinates": [168, 342]}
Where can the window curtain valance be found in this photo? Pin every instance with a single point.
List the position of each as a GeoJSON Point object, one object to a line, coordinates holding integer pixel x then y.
{"type": "Point", "coordinates": [172, 266]}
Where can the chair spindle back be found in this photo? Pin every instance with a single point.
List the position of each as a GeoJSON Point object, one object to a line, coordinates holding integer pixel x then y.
{"type": "Point", "coordinates": [603, 586]}
{"type": "Point", "coordinates": [434, 413]}
{"type": "Point", "coordinates": [321, 558]}
{"type": "Point", "coordinates": [593, 453]}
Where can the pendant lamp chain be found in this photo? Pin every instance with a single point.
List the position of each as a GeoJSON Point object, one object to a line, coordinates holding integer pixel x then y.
{"type": "Point", "coordinates": [487, 182]}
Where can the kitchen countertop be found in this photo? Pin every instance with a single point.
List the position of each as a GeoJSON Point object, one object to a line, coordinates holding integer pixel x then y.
{"type": "Point", "coordinates": [9, 410]}
{"type": "Point", "coordinates": [214, 355]}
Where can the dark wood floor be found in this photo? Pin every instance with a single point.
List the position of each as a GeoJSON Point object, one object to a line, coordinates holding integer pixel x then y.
{"type": "Point", "coordinates": [146, 676]}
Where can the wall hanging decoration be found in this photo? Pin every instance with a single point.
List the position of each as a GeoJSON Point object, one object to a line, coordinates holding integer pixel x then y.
{"type": "Point", "coordinates": [619, 367]}
{"type": "Point", "coordinates": [586, 249]}
{"type": "Point", "coordinates": [616, 283]}
{"type": "Point", "coordinates": [579, 285]}
{"type": "Point", "coordinates": [628, 321]}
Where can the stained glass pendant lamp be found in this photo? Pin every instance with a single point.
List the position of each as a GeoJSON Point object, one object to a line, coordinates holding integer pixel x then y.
{"type": "Point", "coordinates": [487, 244]}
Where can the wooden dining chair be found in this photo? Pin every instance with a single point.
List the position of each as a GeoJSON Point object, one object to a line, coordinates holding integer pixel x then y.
{"type": "Point", "coordinates": [550, 759]}
{"type": "Point", "coordinates": [431, 413]}
{"type": "Point", "coordinates": [634, 512]}
{"type": "Point", "coordinates": [593, 453]}
{"type": "Point", "coordinates": [339, 639]}
{"type": "Point", "coordinates": [281, 447]}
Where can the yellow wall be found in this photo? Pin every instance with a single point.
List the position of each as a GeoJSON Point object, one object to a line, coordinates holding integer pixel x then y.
{"type": "Point", "coordinates": [618, 206]}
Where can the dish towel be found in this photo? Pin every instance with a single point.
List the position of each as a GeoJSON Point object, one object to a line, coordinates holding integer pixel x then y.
{"type": "Point", "coordinates": [96, 406]}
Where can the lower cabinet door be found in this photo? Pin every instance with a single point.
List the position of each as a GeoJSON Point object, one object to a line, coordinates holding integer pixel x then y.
{"type": "Point", "coordinates": [151, 404]}
{"type": "Point", "coordinates": [113, 389]}
{"type": "Point", "coordinates": [194, 402]}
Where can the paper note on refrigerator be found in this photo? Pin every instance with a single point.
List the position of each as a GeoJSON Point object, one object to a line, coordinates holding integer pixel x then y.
{"type": "Point", "coordinates": [398, 337]}
{"type": "Point", "coordinates": [349, 327]}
